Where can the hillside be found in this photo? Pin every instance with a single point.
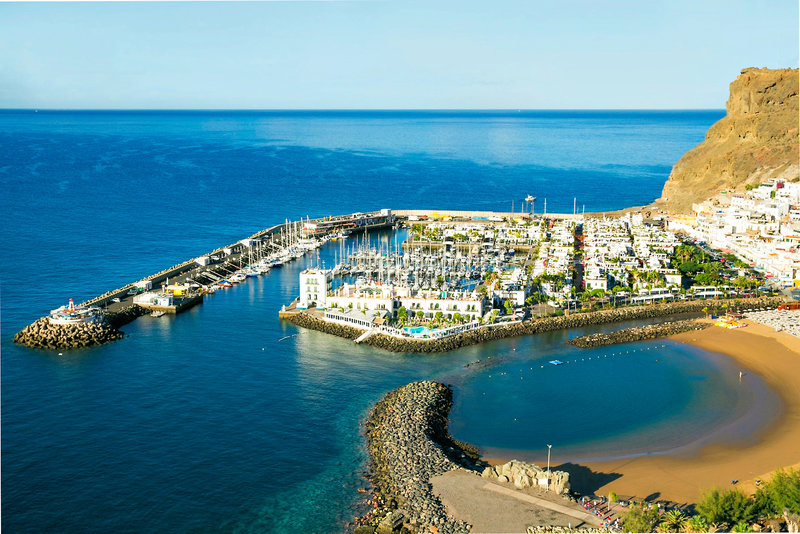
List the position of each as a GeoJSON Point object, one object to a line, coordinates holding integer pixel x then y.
{"type": "Point", "coordinates": [756, 140]}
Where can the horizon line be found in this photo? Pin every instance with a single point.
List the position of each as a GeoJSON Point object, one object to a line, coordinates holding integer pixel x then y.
{"type": "Point", "coordinates": [519, 110]}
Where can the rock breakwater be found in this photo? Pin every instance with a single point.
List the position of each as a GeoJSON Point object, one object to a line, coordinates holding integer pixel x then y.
{"type": "Point", "coordinates": [42, 334]}
{"type": "Point", "coordinates": [639, 333]}
{"type": "Point", "coordinates": [308, 320]}
{"type": "Point", "coordinates": [408, 444]}
{"type": "Point", "coordinates": [535, 325]}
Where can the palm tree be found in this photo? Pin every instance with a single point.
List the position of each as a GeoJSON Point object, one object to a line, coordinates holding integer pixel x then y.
{"type": "Point", "coordinates": [673, 521]}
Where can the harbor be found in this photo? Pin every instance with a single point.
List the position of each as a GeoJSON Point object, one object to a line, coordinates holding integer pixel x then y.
{"type": "Point", "coordinates": [464, 277]}
{"type": "Point", "coordinates": [184, 285]}
{"type": "Point", "coordinates": [455, 280]}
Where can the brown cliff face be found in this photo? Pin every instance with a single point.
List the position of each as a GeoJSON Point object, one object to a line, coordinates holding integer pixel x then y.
{"type": "Point", "coordinates": [755, 141]}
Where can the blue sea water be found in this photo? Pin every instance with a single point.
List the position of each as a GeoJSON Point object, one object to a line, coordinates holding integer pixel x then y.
{"type": "Point", "coordinates": [211, 421]}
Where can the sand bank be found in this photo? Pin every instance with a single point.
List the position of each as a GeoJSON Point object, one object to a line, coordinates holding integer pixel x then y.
{"type": "Point", "coordinates": [775, 357]}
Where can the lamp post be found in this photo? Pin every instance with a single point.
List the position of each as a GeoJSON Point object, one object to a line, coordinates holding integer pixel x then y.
{"type": "Point", "coordinates": [548, 466]}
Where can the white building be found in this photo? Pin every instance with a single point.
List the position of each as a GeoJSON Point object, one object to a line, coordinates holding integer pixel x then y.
{"type": "Point", "coordinates": [390, 298]}
{"type": "Point", "coordinates": [314, 286]}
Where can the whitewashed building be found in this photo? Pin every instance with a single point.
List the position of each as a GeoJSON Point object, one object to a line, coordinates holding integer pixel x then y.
{"type": "Point", "coordinates": [314, 287]}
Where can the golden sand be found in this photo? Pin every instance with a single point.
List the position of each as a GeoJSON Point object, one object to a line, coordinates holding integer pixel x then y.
{"type": "Point", "coordinates": [774, 356]}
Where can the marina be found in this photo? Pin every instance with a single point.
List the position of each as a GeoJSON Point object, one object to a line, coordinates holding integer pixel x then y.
{"type": "Point", "coordinates": [450, 273]}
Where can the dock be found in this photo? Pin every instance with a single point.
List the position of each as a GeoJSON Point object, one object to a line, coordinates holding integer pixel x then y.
{"type": "Point", "coordinates": [286, 240]}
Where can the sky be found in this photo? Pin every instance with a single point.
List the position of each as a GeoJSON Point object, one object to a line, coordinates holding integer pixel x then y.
{"type": "Point", "coordinates": [388, 54]}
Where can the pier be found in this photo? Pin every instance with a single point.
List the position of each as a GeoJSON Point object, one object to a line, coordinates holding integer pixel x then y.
{"type": "Point", "coordinates": [444, 285]}
{"type": "Point", "coordinates": [199, 276]}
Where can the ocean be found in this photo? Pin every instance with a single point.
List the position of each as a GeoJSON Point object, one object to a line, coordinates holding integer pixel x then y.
{"type": "Point", "coordinates": [214, 420]}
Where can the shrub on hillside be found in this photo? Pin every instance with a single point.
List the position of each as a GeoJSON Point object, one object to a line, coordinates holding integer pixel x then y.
{"type": "Point", "coordinates": [641, 519]}
{"type": "Point", "coordinates": [727, 506]}
{"type": "Point", "coordinates": [783, 491]}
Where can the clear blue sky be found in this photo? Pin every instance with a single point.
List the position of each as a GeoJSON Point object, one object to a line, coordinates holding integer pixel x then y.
{"type": "Point", "coordinates": [392, 54]}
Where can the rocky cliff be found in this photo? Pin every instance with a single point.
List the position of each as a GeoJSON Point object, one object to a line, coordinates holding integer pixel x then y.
{"type": "Point", "coordinates": [756, 140]}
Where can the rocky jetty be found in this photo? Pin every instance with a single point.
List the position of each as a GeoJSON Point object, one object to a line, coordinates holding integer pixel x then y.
{"type": "Point", "coordinates": [525, 475]}
{"type": "Point", "coordinates": [536, 325]}
{"type": "Point", "coordinates": [755, 141]}
{"type": "Point", "coordinates": [42, 334]}
{"type": "Point", "coordinates": [408, 444]}
{"type": "Point", "coordinates": [639, 333]}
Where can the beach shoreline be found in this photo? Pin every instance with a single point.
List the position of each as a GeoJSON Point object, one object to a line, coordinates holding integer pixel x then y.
{"type": "Point", "coordinates": [759, 350]}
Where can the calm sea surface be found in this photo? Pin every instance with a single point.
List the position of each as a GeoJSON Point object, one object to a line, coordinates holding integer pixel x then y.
{"type": "Point", "coordinates": [207, 421]}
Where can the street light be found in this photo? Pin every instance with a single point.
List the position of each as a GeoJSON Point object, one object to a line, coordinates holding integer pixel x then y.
{"type": "Point", "coordinates": [548, 466]}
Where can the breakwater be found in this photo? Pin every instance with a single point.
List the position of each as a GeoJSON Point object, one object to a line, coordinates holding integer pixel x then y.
{"type": "Point", "coordinates": [535, 325]}
{"type": "Point", "coordinates": [408, 444]}
{"type": "Point", "coordinates": [118, 303]}
{"type": "Point", "coordinates": [639, 333]}
{"type": "Point", "coordinates": [42, 334]}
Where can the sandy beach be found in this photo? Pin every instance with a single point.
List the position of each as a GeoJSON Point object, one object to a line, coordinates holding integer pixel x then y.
{"type": "Point", "coordinates": [775, 357]}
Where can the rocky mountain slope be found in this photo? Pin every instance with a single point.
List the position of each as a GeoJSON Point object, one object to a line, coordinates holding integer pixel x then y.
{"type": "Point", "coordinates": [755, 141]}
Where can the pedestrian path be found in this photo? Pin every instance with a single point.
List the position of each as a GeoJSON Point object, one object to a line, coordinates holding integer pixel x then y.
{"type": "Point", "coordinates": [581, 516]}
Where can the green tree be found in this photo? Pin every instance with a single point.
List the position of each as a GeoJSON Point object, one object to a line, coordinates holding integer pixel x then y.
{"type": "Point", "coordinates": [783, 491]}
{"type": "Point", "coordinates": [402, 314]}
{"type": "Point", "coordinates": [726, 506]}
{"type": "Point", "coordinates": [420, 315]}
{"type": "Point", "coordinates": [688, 267]}
{"type": "Point", "coordinates": [706, 279]}
{"type": "Point", "coordinates": [509, 308]}
{"type": "Point", "coordinates": [457, 317]}
{"type": "Point", "coordinates": [438, 316]}
{"type": "Point", "coordinates": [742, 282]}
{"type": "Point", "coordinates": [640, 518]}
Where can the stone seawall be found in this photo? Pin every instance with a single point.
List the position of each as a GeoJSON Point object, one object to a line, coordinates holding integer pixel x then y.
{"type": "Point", "coordinates": [639, 333]}
{"type": "Point", "coordinates": [533, 326]}
{"type": "Point", "coordinates": [408, 444]}
{"type": "Point", "coordinates": [307, 320]}
{"type": "Point", "coordinates": [44, 335]}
